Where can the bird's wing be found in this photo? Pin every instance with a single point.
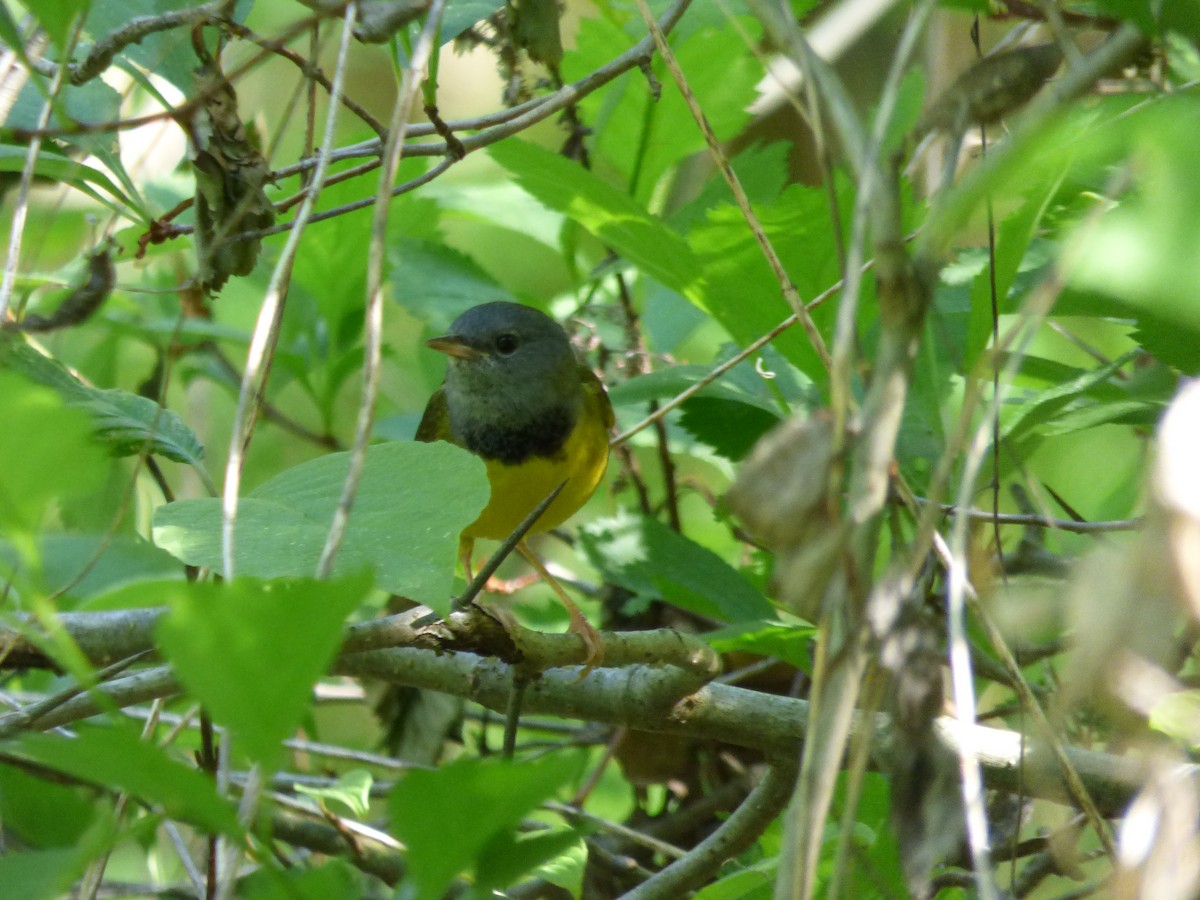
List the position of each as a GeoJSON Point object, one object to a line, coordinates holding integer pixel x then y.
{"type": "Point", "coordinates": [593, 389]}
{"type": "Point", "coordinates": [435, 423]}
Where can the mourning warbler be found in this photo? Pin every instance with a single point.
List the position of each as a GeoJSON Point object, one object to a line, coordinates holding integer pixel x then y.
{"type": "Point", "coordinates": [516, 396]}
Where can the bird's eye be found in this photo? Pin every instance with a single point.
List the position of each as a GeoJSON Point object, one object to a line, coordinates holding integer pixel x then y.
{"type": "Point", "coordinates": [506, 344]}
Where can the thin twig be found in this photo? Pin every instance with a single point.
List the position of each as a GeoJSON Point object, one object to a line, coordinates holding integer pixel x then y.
{"type": "Point", "coordinates": [790, 294]}
{"type": "Point", "coordinates": [410, 81]}
{"type": "Point", "coordinates": [746, 352]}
{"type": "Point", "coordinates": [266, 329]}
{"type": "Point", "coordinates": [21, 209]}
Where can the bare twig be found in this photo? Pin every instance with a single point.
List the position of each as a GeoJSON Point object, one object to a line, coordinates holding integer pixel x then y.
{"type": "Point", "coordinates": [266, 329]}
{"type": "Point", "coordinates": [410, 82]}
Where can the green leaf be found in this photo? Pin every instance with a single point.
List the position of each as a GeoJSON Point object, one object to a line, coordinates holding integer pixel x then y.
{"type": "Point", "coordinates": [168, 54]}
{"type": "Point", "coordinates": [46, 874]}
{"type": "Point", "coordinates": [436, 282]}
{"type": "Point", "coordinates": [508, 856]}
{"type": "Point", "coordinates": [126, 422]}
{"type": "Point", "coordinates": [57, 17]}
{"type": "Point", "coordinates": [26, 800]}
{"type": "Point", "coordinates": [48, 455]}
{"type": "Point", "coordinates": [610, 215]}
{"type": "Point", "coordinates": [352, 790]}
{"type": "Point", "coordinates": [451, 817]}
{"type": "Point", "coordinates": [462, 14]}
{"type": "Point", "coordinates": [65, 170]}
{"type": "Point", "coordinates": [649, 559]}
{"type": "Point", "coordinates": [567, 868]}
{"type": "Point", "coordinates": [755, 883]}
{"type": "Point", "coordinates": [730, 427]}
{"type": "Point", "coordinates": [734, 270]}
{"type": "Point", "coordinates": [412, 505]}
{"type": "Point", "coordinates": [789, 643]}
{"type": "Point", "coordinates": [1145, 251]}
{"type": "Point", "coordinates": [666, 383]}
{"type": "Point", "coordinates": [119, 757]}
{"type": "Point", "coordinates": [227, 643]}
{"type": "Point", "coordinates": [1045, 405]}
{"type": "Point", "coordinates": [105, 562]}
{"type": "Point", "coordinates": [643, 137]}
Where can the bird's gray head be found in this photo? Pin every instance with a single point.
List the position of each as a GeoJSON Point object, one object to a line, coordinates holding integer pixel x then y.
{"type": "Point", "coordinates": [508, 363]}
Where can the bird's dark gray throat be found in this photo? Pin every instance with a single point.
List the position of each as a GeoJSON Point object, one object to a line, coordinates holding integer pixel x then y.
{"type": "Point", "coordinates": [544, 436]}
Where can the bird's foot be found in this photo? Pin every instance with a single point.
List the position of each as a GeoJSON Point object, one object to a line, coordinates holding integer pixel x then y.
{"type": "Point", "coordinates": [593, 642]}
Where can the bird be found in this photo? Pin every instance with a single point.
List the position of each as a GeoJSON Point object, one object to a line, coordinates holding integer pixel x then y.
{"type": "Point", "coordinates": [516, 396]}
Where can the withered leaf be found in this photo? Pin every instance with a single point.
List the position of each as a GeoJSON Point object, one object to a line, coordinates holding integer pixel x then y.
{"type": "Point", "coordinates": [230, 177]}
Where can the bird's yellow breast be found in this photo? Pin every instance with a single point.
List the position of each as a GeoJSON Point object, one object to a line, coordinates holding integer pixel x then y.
{"type": "Point", "coordinates": [518, 488]}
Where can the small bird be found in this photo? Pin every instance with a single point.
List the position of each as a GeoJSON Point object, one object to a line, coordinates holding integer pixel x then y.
{"type": "Point", "coordinates": [516, 396]}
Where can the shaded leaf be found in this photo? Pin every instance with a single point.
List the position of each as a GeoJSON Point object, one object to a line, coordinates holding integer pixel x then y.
{"type": "Point", "coordinates": [40, 874]}
{"type": "Point", "coordinates": [648, 558]}
{"type": "Point", "coordinates": [126, 422]}
{"type": "Point", "coordinates": [610, 215]}
{"type": "Point", "coordinates": [730, 427]}
{"type": "Point", "coordinates": [118, 756]}
{"type": "Point", "coordinates": [65, 170]}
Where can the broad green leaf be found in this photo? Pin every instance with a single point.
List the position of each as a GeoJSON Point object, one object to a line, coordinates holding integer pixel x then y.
{"type": "Point", "coordinates": [1145, 252]}
{"type": "Point", "coordinates": [250, 651]}
{"type": "Point", "coordinates": [49, 453]}
{"type": "Point", "coordinates": [730, 427]}
{"type": "Point", "coordinates": [67, 171]}
{"type": "Point", "coordinates": [643, 137]}
{"type": "Point", "coordinates": [104, 562]}
{"type": "Point", "coordinates": [450, 818]}
{"type": "Point", "coordinates": [754, 883]}
{"type": "Point", "coordinates": [25, 801]}
{"type": "Point", "coordinates": [436, 282]}
{"type": "Point", "coordinates": [119, 757]}
{"type": "Point", "coordinates": [740, 289]}
{"type": "Point", "coordinates": [39, 874]}
{"type": "Point", "coordinates": [654, 562]}
{"type": "Point", "coordinates": [413, 502]}
{"type": "Point", "coordinates": [610, 215]}
{"type": "Point", "coordinates": [352, 789]}
{"type": "Point", "coordinates": [762, 172]}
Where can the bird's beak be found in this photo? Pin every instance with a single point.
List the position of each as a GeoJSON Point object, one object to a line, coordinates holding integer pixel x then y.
{"type": "Point", "coordinates": [453, 345]}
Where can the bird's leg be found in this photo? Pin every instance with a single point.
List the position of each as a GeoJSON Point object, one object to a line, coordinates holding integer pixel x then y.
{"type": "Point", "coordinates": [593, 644]}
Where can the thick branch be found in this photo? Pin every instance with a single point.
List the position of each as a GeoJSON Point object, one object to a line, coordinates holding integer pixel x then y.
{"type": "Point", "coordinates": [661, 699]}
